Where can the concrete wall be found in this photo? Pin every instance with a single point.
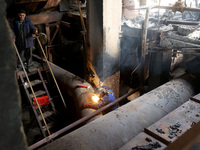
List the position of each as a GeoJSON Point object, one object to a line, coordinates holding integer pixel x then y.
{"type": "Point", "coordinates": [12, 137]}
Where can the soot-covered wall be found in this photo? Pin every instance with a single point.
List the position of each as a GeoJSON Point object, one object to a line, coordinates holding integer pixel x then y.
{"type": "Point", "coordinates": [11, 130]}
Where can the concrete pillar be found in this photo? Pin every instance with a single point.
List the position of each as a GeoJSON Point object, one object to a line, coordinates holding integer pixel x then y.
{"type": "Point", "coordinates": [104, 27]}
{"type": "Point", "coordinates": [12, 137]}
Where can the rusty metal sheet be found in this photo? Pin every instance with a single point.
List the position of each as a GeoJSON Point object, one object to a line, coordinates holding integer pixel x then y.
{"type": "Point", "coordinates": [173, 125]}
{"type": "Point", "coordinates": [142, 140]}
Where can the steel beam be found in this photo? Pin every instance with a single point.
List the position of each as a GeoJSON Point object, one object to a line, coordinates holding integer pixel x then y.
{"type": "Point", "coordinates": [51, 3]}
{"type": "Point", "coordinates": [44, 18]}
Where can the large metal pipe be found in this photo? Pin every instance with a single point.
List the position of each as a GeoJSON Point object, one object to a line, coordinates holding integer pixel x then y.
{"type": "Point", "coordinates": [80, 121]}
{"type": "Point", "coordinates": [68, 82]}
{"type": "Point", "coordinates": [119, 126]}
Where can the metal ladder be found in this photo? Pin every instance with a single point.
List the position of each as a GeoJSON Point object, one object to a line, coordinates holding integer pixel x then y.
{"type": "Point", "coordinates": [40, 116]}
{"type": "Point", "coordinates": [44, 92]}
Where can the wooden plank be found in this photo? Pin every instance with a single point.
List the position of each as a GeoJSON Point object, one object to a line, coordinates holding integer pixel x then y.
{"type": "Point", "coordinates": [47, 17]}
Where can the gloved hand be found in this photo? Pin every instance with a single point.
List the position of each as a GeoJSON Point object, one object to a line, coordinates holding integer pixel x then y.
{"type": "Point", "coordinates": [87, 105]}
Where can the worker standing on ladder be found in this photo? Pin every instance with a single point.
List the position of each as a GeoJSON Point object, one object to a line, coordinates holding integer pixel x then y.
{"type": "Point", "coordinates": [23, 29]}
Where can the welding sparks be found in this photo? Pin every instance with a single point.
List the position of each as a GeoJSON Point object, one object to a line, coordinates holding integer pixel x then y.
{"type": "Point", "coordinates": [95, 98]}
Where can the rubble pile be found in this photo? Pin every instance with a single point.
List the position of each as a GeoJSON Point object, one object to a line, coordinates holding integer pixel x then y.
{"type": "Point", "coordinates": [134, 23]}
{"type": "Point", "coordinates": [181, 37]}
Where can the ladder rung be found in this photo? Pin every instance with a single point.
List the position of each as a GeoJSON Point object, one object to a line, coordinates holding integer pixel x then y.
{"type": "Point", "coordinates": [38, 93]}
{"type": "Point", "coordinates": [45, 114]}
{"type": "Point", "coordinates": [49, 125]}
{"type": "Point", "coordinates": [33, 83]}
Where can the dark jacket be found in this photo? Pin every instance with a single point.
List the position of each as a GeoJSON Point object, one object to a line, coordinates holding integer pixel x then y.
{"type": "Point", "coordinates": [29, 29]}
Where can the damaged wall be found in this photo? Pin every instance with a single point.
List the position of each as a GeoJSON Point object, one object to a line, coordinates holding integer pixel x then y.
{"type": "Point", "coordinates": [181, 37]}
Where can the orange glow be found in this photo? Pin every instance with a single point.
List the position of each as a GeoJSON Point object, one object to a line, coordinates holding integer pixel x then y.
{"type": "Point", "coordinates": [95, 98]}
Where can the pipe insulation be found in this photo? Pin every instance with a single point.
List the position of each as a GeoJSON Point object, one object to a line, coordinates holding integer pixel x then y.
{"type": "Point", "coordinates": [116, 128]}
{"type": "Point", "coordinates": [68, 82]}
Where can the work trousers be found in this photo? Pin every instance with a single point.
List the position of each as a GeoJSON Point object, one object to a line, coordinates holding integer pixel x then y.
{"type": "Point", "coordinates": [26, 56]}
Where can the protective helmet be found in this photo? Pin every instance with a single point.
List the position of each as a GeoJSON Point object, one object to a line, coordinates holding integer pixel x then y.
{"type": "Point", "coordinates": [104, 90]}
